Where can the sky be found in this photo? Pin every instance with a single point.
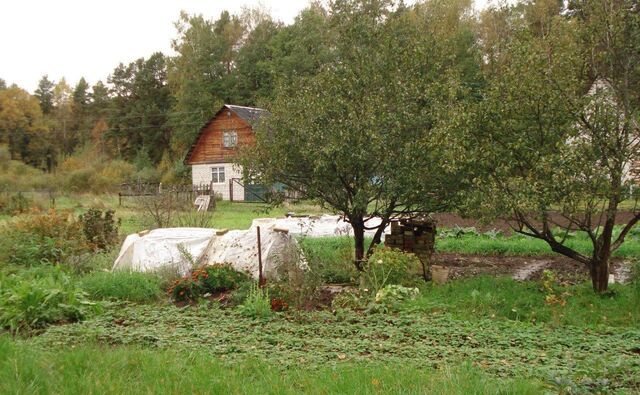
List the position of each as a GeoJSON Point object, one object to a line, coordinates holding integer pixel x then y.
{"type": "Point", "coordinates": [83, 38]}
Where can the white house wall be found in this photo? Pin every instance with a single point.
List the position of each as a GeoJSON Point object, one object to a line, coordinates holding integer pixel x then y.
{"type": "Point", "coordinates": [201, 175]}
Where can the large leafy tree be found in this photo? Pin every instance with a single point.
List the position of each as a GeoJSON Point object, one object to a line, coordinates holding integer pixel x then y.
{"type": "Point", "coordinates": [200, 76]}
{"type": "Point", "coordinates": [138, 120]}
{"type": "Point", "coordinates": [557, 133]}
{"type": "Point", "coordinates": [22, 127]}
{"type": "Point", "coordinates": [361, 136]}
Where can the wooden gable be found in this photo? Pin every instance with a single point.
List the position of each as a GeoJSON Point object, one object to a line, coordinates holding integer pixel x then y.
{"type": "Point", "coordinates": [209, 146]}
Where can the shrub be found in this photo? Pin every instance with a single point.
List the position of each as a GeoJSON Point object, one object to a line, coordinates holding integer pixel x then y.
{"type": "Point", "coordinates": [206, 279]}
{"type": "Point", "coordinates": [122, 285]}
{"type": "Point", "coordinates": [16, 203]}
{"type": "Point", "coordinates": [79, 180]}
{"type": "Point", "coordinates": [392, 294]}
{"type": "Point", "coordinates": [221, 278]}
{"type": "Point", "coordinates": [28, 304]}
{"type": "Point", "coordinates": [100, 229]}
{"type": "Point", "coordinates": [186, 290]}
{"type": "Point", "coordinates": [388, 266]}
{"type": "Point", "coordinates": [257, 304]}
{"type": "Point", "coordinates": [47, 238]}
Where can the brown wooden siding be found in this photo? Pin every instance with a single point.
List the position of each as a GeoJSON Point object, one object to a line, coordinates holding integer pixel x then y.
{"type": "Point", "coordinates": [210, 149]}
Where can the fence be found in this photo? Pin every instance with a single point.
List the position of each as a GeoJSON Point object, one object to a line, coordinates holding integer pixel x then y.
{"type": "Point", "coordinates": [41, 195]}
{"type": "Point", "coordinates": [183, 192]}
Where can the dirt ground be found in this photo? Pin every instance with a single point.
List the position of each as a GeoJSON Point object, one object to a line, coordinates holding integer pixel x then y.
{"type": "Point", "coordinates": [522, 268]}
{"type": "Point", "coordinates": [449, 220]}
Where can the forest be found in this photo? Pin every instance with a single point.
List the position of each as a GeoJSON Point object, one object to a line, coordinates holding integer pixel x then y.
{"type": "Point", "coordinates": [138, 123]}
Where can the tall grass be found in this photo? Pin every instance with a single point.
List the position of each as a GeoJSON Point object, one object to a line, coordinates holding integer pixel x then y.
{"type": "Point", "coordinates": [122, 285]}
{"type": "Point", "coordinates": [331, 257]}
{"type": "Point", "coordinates": [132, 370]}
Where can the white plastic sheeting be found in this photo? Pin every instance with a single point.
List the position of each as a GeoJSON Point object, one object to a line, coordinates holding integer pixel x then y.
{"type": "Point", "coordinates": [240, 249]}
{"type": "Point", "coordinates": [320, 226]}
{"type": "Point", "coordinates": [161, 248]}
{"type": "Point", "coordinates": [180, 248]}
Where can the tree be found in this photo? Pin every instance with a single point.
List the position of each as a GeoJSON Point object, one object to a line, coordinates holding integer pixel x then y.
{"type": "Point", "coordinates": [22, 127]}
{"type": "Point", "coordinates": [141, 102]}
{"type": "Point", "coordinates": [81, 119]}
{"type": "Point", "coordinates": [553, 140]}
{"type": "Point", "coordinates": [361, 136]}
{"type": "Point", "coordinates": [301, 49]}
{"type": "Point", "coordinates": [44, 93]}
{"type": "Point", "coordinates": [200, 76]}
{"type": "Point", "coordinates": [62, 116]}
{"type": "Point", "coordinates": [253, 77]}
{"type": "Point", "coordinates": [3, 84]}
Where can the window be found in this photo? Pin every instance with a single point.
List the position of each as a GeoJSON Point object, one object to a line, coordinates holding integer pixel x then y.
{"type": "Point", "coordinates": [229, 138]}
{"type": "Point", "coordinates": [217, 174]}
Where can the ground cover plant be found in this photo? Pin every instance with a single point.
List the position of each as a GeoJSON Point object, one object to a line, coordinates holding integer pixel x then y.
{"type": "Point", "coordinates": [599, 358]}
{"type": "Point", "coordinates": [33, 300]}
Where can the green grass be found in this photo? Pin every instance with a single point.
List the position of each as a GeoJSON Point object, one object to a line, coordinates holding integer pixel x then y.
{"type": "Point", "coordinates": [525, 246]}
{"type": "Point", "coordinates": [122, 285]}
{"type": "Point", "coordinates": [119, 370]}
{"type": "Point", "coordinates": [504, 298]}
{"type": "Point", "coordinates": [331, 257]}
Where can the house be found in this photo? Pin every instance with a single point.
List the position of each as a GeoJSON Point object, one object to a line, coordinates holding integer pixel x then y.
{"type": "Point", "coordinates": [211, 155]}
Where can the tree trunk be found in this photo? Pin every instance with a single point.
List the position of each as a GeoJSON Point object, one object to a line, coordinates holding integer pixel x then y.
{"type": "Point", "coordinates": [600, 274]}
{"type": "Point", "coordinates": [358, 235]}
{"type": "Point", "coordinates": [377, 237]}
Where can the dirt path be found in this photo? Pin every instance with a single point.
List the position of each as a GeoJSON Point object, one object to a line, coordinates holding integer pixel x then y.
{"type": "Point", "coordinates": [523, 268]}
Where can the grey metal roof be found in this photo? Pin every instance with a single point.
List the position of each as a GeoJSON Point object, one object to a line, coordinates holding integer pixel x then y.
{"type": "Point", "coordinates": [250, 114]}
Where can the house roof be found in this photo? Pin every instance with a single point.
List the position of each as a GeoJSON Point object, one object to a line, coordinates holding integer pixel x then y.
{"type": "Point", "coordinates": [251, 115]}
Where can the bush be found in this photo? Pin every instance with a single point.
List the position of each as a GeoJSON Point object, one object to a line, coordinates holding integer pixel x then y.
{"type": "Point", "coordinates": [129, 286]}
{"type": "Point", "coordinates": [186, 290]}
{"type": "Point", "coordinates": [47, 238]}
{"type": "Point", "coordinates": [388, 266]}
{"type": "Point", "coordinates": [221, 278]}
{"type": "Point", "coordinates": [100, 229]}
{"type": "Point", "coordinates": [28, 304]}
{"type": "Point", "coordinates": [206, 279]}
{"type": "Point", "coordinates": [257, 304]}
{"type": "Point", "coordinates": [17, 203]}
{"type": "Point", "coordinates": [392, 294]}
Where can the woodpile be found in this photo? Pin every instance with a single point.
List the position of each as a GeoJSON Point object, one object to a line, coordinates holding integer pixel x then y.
{"type": "Point", "coordinates": [416, 235]}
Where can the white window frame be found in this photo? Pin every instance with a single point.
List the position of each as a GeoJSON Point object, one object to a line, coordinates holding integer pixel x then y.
{"type": "Point", "coordinates": [229, 138]}
{"type": "Point", "coordinates": [217, 175]}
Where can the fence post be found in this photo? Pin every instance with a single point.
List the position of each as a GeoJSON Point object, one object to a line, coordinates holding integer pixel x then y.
{"type": "Point", "coordinates": [52, 198]}
{"type": "Point", "coordinates": [261, 280]}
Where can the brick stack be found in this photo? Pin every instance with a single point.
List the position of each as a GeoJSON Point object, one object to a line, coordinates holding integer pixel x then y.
{"type": "Point", "coordinates": [416, 235]}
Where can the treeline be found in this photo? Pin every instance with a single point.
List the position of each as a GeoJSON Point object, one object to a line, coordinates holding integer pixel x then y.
{"type": "Point", "coordinates": [148, 111]}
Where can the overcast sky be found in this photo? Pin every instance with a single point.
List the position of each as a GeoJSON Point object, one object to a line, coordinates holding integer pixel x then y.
{"type": "Point", "coordinates": [82, 38]}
